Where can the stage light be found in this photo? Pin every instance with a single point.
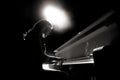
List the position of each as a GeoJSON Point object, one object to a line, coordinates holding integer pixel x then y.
{"type": "Point", "coordinates": [57, 17]}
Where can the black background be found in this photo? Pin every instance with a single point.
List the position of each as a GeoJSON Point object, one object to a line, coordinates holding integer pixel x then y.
{"type": "Point", "coordinates": [18, 59]}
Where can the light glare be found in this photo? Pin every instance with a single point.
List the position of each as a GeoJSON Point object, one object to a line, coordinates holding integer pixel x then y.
{"type": "Point", "coordinates": [48, 68]}
{"type": "Point", "coordinates": [57, 17]}
{"type": "Point", "coordinates": [98, 48]}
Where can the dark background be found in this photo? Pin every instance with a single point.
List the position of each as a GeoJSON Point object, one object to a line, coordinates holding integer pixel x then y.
{"type": "Point", "coordinates": [19, 62]}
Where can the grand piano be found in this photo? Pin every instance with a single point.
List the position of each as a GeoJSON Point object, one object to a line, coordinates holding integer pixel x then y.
{"type": "Point", "coordinates": [80, 48]}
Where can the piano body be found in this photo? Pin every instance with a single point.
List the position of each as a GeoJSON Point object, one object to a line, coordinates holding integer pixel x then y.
{"type": "Point", "coordinates": [79, 49]}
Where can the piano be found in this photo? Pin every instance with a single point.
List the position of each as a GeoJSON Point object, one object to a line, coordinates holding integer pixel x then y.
{"type": "Point", "coordinates": [80, 48]}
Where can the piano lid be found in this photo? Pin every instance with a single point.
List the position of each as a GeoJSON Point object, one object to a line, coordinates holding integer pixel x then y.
{"type": "Point", "coordinates": [80, 34]}
{"type": "Point", "coordinates": [78, 46]}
